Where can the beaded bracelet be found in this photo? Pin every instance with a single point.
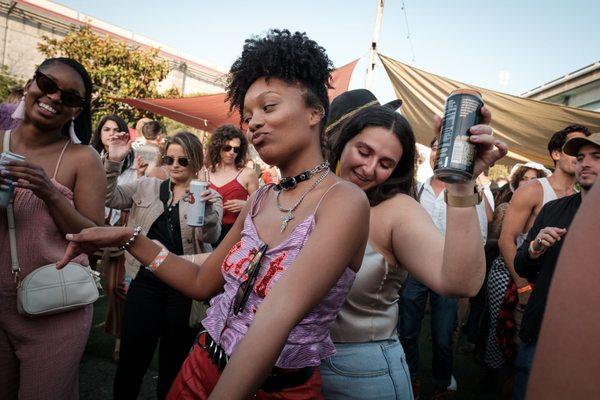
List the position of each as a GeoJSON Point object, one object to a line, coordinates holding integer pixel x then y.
{"type": "Point", "coordinates": [160, 257]}
{"type": "Point", "coordinates": [136, 233]}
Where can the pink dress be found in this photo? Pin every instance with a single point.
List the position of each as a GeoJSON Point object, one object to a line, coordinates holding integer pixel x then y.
{"type": "Point", "coordinates": [39, 357]}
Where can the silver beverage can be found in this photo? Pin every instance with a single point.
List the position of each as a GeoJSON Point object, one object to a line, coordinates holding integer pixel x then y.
{"type": "Point", "coordinates": [6, 191]}
{"type": "Point", "coordinates": [195, 214]}
{"type": "Point", "coordinates": [456, 154]}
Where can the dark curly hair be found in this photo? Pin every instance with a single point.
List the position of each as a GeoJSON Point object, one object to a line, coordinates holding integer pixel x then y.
{"type": "Point", "coordinates": [402, 178]}
{"type": "Point", "coordinates": [558, 139]}
{"type": "Point", "coordinates": [291, 57]}
{"type": "Point", "coordinates": [222, 135]}
{"type": "Point", "coordinates": [515, 180]}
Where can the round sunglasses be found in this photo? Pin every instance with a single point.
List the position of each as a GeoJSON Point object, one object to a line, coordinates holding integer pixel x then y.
{"type": "Point", "coordinates": [227, 148]}
{"type": "Point", "coordinates": [183, 161]}
{"type": "Point", "coordinates": [48, 86]}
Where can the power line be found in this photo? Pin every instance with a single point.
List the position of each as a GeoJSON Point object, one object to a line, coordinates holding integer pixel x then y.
{"type": "Point", "coordinates": [412, 50]}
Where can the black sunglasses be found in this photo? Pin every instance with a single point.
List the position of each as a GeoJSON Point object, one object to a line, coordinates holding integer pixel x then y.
{"type": "Point", "coordinates": [48, 86]}
{"type": "Point", "coordinates": [183, 161]}
{"type": "Point", "coordinates": [227, 148]}
{"type": "Point", "coordinates": [243, 292]}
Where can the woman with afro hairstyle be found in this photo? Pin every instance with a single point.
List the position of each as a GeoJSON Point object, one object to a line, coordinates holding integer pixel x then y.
{"type": "Point", "coordinates": [284, 269]}
{"type": "Point", "coordinates": [227, 153]}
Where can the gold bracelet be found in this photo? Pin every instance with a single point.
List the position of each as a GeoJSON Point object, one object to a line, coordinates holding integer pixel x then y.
{"type": "Point", "coordinates": [463, 201]}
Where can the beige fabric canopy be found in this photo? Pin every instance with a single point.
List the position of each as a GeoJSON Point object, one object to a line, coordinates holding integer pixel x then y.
{"type": "Point", "coordinates": [525, 125]}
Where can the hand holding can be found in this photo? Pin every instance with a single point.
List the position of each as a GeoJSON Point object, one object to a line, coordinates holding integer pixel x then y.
{"type": "Point", "coordinates": [196, 203]}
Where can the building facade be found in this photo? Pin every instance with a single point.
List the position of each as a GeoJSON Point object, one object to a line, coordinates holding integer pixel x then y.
{"type": "Point", "coordinates": [579, 89]}
{"type": "Point", "coordinates": [24, 22]}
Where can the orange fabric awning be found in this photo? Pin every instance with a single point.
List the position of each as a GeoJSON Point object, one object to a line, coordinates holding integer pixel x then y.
{"type": "Point", "coordinates": [210, 111]}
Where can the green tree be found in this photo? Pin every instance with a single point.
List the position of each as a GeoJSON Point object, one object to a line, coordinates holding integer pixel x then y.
{"type": "Point", "coordinates": [117, 69]}
{"type": "Point", "coordinates": [7, 82]}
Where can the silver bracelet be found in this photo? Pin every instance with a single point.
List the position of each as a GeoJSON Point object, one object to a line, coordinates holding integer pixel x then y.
{"type": "Point", "coordinates": [136, 233]}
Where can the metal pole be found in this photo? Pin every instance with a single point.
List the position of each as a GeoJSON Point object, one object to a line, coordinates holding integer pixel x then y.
{"type": "Point", "coordinates": [373, 51]}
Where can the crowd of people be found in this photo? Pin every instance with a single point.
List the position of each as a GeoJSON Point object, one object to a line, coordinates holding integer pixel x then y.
{"type": "Point", "coordinates": [308, 279]}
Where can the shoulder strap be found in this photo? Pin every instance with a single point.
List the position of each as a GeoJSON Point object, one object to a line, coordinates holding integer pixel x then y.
{"type": "Point", "coordinates": [60, 159]}
{"type": "Point", "coordinates": [323, 196]}
{"type": "Point", "coordinates": [240, 171]}
{"type": "Point", "coordinates": [12, 237]}
{"type": "Point", "coordinates": [257, 197]}
{"type": "Point", "coordinates": [6, 145]}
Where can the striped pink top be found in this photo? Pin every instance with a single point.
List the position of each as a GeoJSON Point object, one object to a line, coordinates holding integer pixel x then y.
{"type": "Point", "coordinates": [309, 342]}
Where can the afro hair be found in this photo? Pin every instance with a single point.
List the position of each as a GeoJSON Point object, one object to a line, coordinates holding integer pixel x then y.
{"type": "Point", "coordinates": [291, 57]}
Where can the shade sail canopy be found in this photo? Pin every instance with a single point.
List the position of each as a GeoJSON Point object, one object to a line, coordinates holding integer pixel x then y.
{"type": "Point", "coordinates": [210, 111]}
{"type": "Point", "coordinates": [525, 125]}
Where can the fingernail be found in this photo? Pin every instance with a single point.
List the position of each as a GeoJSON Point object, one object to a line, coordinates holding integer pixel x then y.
{"type": "Point", "coordinates": [475, 138]}
{"type": "Point", "coordinates": [69, 236]}
{"type": "Point", "coordinates": [5, 172]}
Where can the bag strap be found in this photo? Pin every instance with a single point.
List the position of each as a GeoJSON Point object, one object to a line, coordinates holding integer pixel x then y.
{"type": "Point", "coordinates": [12, 237]}
{"type": "Point", "coordinates": [6, 146]}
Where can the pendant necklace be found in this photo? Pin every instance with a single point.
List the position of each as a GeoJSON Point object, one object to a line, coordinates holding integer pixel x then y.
{"type": "Point", "coordinates": [289, 212]}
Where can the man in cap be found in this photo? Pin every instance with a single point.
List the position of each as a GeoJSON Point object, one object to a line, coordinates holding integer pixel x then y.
{"type": "Point", "coordinates": [528, 200]}
{"type": "Point", "coordinates": [536, 258]}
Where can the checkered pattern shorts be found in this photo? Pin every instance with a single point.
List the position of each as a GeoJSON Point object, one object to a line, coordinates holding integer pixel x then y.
{"type": "Point", "coordinates": [497, 283]}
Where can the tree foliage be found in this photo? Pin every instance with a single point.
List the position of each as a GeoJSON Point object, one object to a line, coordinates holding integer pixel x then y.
{"type": "Point", "coordinates": [7, 83]}
{"type": "Point", "coordinates": [117, 69]}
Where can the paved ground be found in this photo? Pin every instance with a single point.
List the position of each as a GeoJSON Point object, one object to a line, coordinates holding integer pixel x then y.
{"type": "Point", "coordinates": [98, 370]}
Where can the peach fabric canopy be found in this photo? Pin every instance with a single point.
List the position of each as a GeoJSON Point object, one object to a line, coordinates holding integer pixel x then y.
{"type": "Point", "coordinates": [210, 111]}
{"type": "Point", "coordinates": [525, 125]}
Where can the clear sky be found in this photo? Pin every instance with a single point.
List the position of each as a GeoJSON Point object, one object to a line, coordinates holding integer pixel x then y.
{"type": "Point", "coordinates": [509, 45]}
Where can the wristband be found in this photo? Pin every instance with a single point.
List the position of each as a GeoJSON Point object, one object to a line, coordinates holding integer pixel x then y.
{"type": "Point", "coordinates": [533, 251]}
{"type": "Point", "coordinates": [524, 289]}
{"type": "Point", "coordinates": [160, 257]}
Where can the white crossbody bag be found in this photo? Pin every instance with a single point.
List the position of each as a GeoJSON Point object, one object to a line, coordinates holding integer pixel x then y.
{"type": "Point", "coordinates": [48, 290]}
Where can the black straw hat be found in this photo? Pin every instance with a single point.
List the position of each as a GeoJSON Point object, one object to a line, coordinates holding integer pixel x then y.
{"type": "Point", "coordinates": [349, 103]}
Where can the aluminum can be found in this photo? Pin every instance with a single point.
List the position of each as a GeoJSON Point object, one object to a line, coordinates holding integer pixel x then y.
{"type": "Point", "coordinates": [6, 191]}
{"type": "Point", "coordinates": [195, 215]}
{"type": "Point", "coordinates": [456, 155]}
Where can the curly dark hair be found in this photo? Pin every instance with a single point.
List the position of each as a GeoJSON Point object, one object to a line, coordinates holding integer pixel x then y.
{"type": "Point", "coordinates": [291, 57]}
{"type": "Point", "coordinates": [402, 179]}
{"type": "Point", "coordinates": [222, 135]}
{"type": "Point", "coordinates": [515, 180]}
{"type": "Point", "coordinates": [558, 139]}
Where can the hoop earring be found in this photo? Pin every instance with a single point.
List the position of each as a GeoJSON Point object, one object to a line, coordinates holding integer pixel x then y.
{"type": "Point", "coordinates": [72, 134]}
{"type": "Point", "coordinates": [19, 112]}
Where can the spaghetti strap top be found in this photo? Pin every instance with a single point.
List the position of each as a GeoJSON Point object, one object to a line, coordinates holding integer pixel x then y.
{"type": "Point", "coordinates": [232, 190]}
{"type": "Point", "coordinates": [309, 341]}
{"type": "Point", "coordinates": [39, 241]}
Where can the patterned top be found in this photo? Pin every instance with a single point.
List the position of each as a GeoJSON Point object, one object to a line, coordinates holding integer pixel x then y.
{"type": "Point", "coordinates": [309, 342]}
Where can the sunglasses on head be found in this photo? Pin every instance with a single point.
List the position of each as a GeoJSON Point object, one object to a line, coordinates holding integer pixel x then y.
{"type": "Point", "coordinates": [48, 86]}
{"type": "Point", "coordinates": [243, 292]}
{"type": "Point", "coordinates": [227, 148]}
{"type": "Point", "coordinates": [183, 161]}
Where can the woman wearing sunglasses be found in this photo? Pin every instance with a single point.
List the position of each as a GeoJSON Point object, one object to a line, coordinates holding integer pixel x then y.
{"type": "Point", "coordinates": [282, 272]}
{"type": "Point", "coordinates": [153, 310]}
{"type": "Point", "coordinates": [228, 150]}
{"type": "Point", "coordinates": [59, 189]}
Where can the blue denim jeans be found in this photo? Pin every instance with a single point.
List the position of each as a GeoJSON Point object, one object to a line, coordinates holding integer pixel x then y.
{"type": "Point", "coordinates": [443, 322]}
{"type": "Point", "coordinates": [522, 369]}
{"type": "Point", "coordinates": [365, 371]}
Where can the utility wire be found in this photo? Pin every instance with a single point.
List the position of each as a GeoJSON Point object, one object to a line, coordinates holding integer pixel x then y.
{"type": "Point", "coordinates": [412, 50]}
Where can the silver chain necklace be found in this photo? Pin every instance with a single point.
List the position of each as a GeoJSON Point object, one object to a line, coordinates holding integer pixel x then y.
{"type": "Point", "coordinates": [289, 212]}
